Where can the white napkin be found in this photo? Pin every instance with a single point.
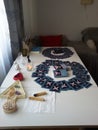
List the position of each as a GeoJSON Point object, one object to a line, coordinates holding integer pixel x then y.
{"type": "Point", "coordinates": [47, 106]}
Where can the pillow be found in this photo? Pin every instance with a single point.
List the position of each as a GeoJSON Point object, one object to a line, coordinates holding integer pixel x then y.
{"type": "Point", "coordinates": [51, 40]}
{"type": "Point", "coordinates": [91, 44]}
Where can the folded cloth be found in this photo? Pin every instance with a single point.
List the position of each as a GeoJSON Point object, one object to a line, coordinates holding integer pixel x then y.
{"type": "Point", "coordinates": [47, 106]}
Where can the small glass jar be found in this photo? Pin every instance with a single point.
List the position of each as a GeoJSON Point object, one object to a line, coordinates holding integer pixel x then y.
{"type": "Point", "coordinates": [24, 59]}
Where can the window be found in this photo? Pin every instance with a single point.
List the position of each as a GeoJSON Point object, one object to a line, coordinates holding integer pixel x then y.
{"type": "Point", "coordinates": [5, 46]}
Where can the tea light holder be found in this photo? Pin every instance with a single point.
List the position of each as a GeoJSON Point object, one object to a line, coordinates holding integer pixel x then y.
{"type": "Point", "coordinates": [29, 67]}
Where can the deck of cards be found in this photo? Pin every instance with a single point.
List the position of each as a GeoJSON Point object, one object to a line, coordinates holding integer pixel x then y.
{"type": "Point", "coordinates": [79, 80]}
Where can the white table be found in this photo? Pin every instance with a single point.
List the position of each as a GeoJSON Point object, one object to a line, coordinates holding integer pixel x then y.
{"type": "Point", "coordinates": [73, 108]}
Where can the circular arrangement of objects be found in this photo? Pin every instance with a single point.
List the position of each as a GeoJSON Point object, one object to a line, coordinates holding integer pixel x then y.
{"type": "Point", "coordinates": [57, 53]}
{"type": "Point", "coordinates": [79, 80]}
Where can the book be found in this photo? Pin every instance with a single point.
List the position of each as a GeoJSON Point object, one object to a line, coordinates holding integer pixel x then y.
{"type": "Point", "coordinates": [36, 49]}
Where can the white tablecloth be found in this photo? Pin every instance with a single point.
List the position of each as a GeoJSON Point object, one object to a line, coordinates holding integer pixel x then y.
{"type": "Point", "coordinates": [68, 108]}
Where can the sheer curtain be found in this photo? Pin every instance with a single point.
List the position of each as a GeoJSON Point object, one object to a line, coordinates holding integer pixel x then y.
{"type": "Point", "coordinates": [5, 46]}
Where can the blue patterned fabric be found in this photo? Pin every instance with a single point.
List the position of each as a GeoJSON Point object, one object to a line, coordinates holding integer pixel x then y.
{"type": "Point", "coordinates": [15, 19]}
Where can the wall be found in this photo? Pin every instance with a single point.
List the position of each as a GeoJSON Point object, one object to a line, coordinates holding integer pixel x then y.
{"type": "Point", "coordinates": [66, 17]}
{"type": "Point", "coordinates": [30, 17]}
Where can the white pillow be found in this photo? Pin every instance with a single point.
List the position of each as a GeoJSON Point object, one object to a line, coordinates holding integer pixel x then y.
{"type": "Point", "coordinates": [91, 44]}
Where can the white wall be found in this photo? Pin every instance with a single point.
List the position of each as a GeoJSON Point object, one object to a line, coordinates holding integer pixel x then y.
{"type": "Point", "coordinates": [30, 17]}
{"type": "Point", "coordinates": [67, 17]}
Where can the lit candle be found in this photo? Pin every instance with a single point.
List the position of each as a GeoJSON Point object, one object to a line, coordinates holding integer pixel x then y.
{"type": "Point", "coordinates": [29, 67]}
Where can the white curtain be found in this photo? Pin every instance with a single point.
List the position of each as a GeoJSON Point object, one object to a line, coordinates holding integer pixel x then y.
{"type": "Point", "coordinates": [5, 46]}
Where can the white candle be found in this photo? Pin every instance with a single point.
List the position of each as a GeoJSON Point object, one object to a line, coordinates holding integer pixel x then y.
{"type": "Point", "coordinates": [29, 67]}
